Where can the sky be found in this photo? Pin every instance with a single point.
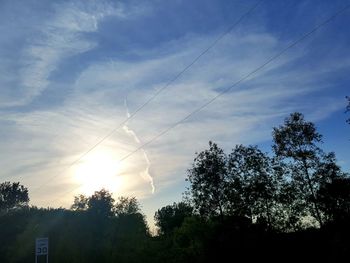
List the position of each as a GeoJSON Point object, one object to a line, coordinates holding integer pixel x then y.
{"type": "Point", "coordinates": [72, 72]}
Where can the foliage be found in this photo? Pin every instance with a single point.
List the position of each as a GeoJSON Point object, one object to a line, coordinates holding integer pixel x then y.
{"type": "Point", "coordinates": [296, 139]}
{"type": "Point", "coordinates": [170, 217]}
{"type": "Point", "coordinates": [207, 178]}
{"type": "Point", "coordinates": [80, 203]}
{"type": "Point", "coordinates": [252, 186]}
{"type": "Point", "coordinates": [101, 203]}
{"type": "Point", "coordinates": [334, 198]}
{"type": "Point", "coordinates": [244, 206]}
{"type": "Point", "coordinates": [296, 143]}
{"type": "Point", "coordinates": [126, 206]}
{"type": "Point", "coordinates": [74, 236]}
{"type": "Point", "coordinates": [278, 193]}
{"type": "Point", "coordinates": [12, 195]}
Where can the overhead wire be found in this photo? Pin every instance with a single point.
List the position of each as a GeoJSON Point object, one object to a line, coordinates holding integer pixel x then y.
{"type": "Point", "coordinates": [108, 135]}
{"type": "Point", "coordinates": [224, 91]}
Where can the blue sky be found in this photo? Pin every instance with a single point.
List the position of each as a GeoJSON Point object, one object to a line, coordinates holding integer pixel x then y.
{"type": "Point", "coordinates": [71, 70]}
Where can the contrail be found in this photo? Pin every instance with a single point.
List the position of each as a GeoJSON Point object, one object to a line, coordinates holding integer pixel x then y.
{"type": "Point", "coordinates": [144, 174]}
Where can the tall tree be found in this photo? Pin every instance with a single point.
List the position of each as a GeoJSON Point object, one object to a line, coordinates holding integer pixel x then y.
{"type": "Point", "coordinates": [252, 184]}
{"type": "Point", "coordinates": [126, 206]}
{"type": "Point", "coordinates": [172, 216]}
{"type": "Point", "coordinates": [12, 195]}
{"type": "Point", "coordinates": [207, 181]}
{"type": "Point", "coordinates": [296, 142]}
{"type": "Point", "coordinates": [101, 203]}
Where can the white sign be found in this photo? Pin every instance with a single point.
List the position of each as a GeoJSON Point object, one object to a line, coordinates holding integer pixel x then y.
{"type": "Point", "coordinates": [41, 246]}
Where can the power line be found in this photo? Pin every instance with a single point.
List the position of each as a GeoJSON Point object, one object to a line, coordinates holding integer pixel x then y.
{"type": "Point", "coordinates": [154, 95]}
{"type": "Point", "coordinates": [306, 35]}
{"type": "Point", "coordinates": [238, 82]}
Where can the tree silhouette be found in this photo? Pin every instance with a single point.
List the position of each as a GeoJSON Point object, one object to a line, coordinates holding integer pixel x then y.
{"type": "Point", "coordinates": [12, 195]}
{"type": "Point", "coordinates": [101, 203]}
{"type": "Point", "coordinates": [252, 186]}
{"type": "Point", "coordinates": [264, 205]}
{"type": "Point", "coordinates": [207, 178]}
{"type": "Point", "coordinates": [126, 206]}
{"type": "Point", "coordinates": [80, 203]}
{"type": "Point", "coordinates": [291, 200]}
{"type": "Point", "coordinates": [172, 216]}
{"type": "Point", "coordinates": [334, 197]}
{"type": "Point", "coordinates": [296, 143]}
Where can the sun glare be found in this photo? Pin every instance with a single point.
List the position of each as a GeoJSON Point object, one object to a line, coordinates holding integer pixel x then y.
{"type": "Point", "coordinates": [98, 170]}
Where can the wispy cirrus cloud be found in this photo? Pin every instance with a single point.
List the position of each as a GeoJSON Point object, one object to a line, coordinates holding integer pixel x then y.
{"type": "Point", "coordinates": [60, 33]}
{"type": "Point", "coordinates": [44, 142]}
{"type": "Point", "coordinates": [97, 104]}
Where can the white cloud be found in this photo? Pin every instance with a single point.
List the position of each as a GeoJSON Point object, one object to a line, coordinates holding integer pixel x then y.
{"type": "Point", "coordinates": [43, 142]}
{"type": "Point", "coordinates": [59, 35]}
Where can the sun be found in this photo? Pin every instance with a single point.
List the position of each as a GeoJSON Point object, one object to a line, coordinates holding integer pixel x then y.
{"type": "Point", "coordinates": [98, 170]}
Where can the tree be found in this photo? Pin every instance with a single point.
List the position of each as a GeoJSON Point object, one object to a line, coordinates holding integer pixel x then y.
{"type": "Point", "coordinates": [80, 203]}
{"type": "Point", "coordinates": [334, 198]}
{"type": "Point", "coordinates": [101, 203]}
{"type": "Point", "coordinates": [296, 143]}
{"type": "Point", "coordinates": [130, 218]}
{"type": "Point", "coordinates": [170, 217]}
{"type": "Point", "coordinates": [13, 195]}
{"type": "Point", "coordinates": [333, 194]}
{"type": "Point", "coordinates": [191, 238]}
{"type": "Point", "coordinates": [291, 201]}
{"type": "Point", "coordinates": [207, 178]}
{"type": "Point", "coordinates": [252, 184]}
{"type": "Point", "coordinates": [126, 206]}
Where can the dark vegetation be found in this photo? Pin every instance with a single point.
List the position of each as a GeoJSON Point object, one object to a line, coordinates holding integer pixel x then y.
{"type": "Point", "coordinates": [292, 205]}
